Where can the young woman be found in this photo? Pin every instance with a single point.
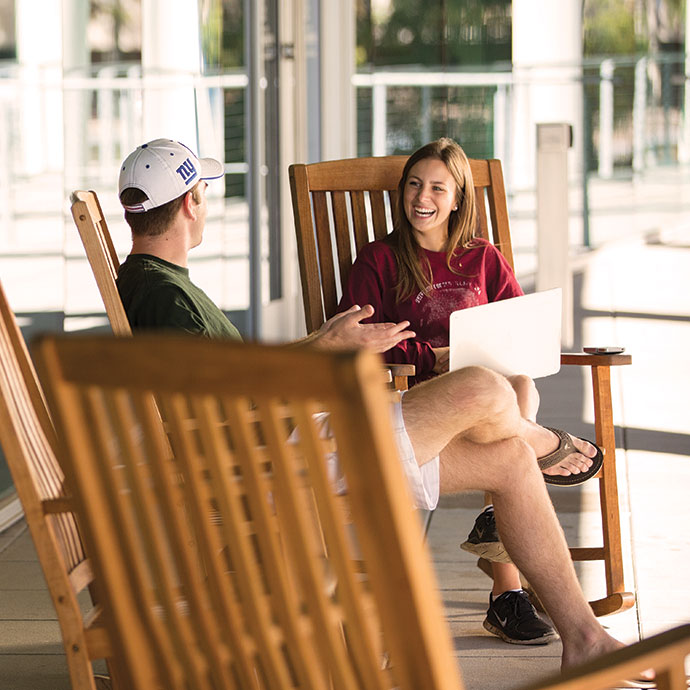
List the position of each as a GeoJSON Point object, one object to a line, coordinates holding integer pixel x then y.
{"type": "Point", "coordinates": [429, 266]}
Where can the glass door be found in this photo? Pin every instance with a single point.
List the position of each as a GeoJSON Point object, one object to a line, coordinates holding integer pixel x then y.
{"type": "Point", "coordinates": [245, 110]}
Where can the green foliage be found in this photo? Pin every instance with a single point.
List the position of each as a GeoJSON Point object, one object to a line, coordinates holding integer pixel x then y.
{"type": "Point", "coordinates": [609, 27]}
{"type": "Point", "coordinates": [232, 55]}
{"type": "Point", "coordinates": [211, 32]}
{"type": "Point", "coordinates": [449, 33]}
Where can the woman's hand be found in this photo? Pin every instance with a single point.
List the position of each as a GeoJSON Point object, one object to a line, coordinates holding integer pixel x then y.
{"type": "Point", "coordinates": [442, 359]}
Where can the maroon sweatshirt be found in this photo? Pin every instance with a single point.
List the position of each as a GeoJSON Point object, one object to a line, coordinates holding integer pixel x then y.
{"type": "Point", "coordinates": [483, 276]}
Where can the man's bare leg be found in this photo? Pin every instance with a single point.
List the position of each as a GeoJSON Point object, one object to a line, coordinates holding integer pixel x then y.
{"type": "Point", "coordinates": [474, 402]}
{"type": "Point", "coordinates": [506, 576]}
{"type": "Point", "coordinates": [480, 405]}
{"type": "Point", "coordinates": [508, 469]}
{"type": "Point", "coordinates": [472, 419]}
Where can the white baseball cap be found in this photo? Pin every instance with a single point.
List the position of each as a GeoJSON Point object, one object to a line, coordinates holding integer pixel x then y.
{"type": "Point", "coordinates": [164, 169]}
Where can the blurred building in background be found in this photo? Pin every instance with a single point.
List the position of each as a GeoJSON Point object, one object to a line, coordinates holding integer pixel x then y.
{"type": "Point", "coordinates": [260, 84]}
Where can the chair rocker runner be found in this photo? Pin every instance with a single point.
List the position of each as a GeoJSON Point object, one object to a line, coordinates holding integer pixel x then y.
{"type": "Point", "coordinates": [267, 596]}
{"type": "Point", "coordinates": [339, 206]}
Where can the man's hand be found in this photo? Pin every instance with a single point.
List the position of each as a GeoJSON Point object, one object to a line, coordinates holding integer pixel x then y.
{"type": "Point", "coordinates": [442, 359]}
{"type": "Point", "coordinates": [345, 331]}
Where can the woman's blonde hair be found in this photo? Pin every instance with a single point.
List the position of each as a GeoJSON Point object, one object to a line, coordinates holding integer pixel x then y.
{"type": "Point", "coordinates": [414, 270]}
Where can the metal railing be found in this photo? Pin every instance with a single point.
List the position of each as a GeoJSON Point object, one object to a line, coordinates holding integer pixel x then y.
{"type": "Point", "coordinates": [633, 110]}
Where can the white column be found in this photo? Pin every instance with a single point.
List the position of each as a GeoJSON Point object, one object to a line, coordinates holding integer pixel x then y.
{"type": "Point", "coordinates": [338, 36]}
{"type": "Point", "coordinates": [76, 62]}
{"type": "Point", "coordinates": [379, 108]}
{"type": "Point", "coordinates": [553, 267]}
{"type": "Point", "coordinates": [502, 149]}
{"type": "Point", "coordinates": [606, 119]}
{"type": "Point", "coordinates": [640, 115]}
{"type": "Point", "coordinates": [170, 61]}
{"type": "Point", "coordinates": [547, 58]}
{"type": "Point", "coordinates": [39, 53]}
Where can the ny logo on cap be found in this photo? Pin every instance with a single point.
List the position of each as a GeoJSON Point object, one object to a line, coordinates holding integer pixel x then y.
{"type": "Point", "coordinates": [187, 171]}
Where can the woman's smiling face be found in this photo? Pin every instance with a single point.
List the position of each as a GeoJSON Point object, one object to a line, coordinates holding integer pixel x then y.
{"type": "Point", "coordinates": [429, 198]}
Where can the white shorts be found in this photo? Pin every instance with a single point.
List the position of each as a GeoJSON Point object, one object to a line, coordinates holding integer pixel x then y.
{"type": "Point", "coordinates": [424, 481]}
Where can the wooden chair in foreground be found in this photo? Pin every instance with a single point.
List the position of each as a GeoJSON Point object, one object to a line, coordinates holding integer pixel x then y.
{"type": "Point", "coordinates": [222, 548]}
{"type": "Point", "coordinates": [28, 441]}
{"type": "Point", "coordinates": [100, 251]}
{"type": "Point", "coordinates": [339, 206]}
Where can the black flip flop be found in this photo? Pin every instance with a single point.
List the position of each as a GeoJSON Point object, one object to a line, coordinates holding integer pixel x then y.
{"type": "Point", "coordinates": [565, 448]}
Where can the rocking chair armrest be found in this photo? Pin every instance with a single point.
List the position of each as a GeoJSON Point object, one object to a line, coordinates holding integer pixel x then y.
{"type": "Point", "coordinates": [401, 369]}
{"type": "Point", "coordinates": [399, 374]}
{"type": "Point", "coordinates": [584, 359]}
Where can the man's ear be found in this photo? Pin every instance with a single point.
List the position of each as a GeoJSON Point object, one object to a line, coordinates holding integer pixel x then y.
{"type": "Point", "coordinates": [189, 205]}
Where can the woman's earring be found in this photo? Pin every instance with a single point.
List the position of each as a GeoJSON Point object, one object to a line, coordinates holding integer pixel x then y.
{"type": "Point", "coordinates": [455, 208]}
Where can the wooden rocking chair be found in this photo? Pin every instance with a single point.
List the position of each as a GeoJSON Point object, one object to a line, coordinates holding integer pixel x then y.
{"type": "Point", "coordinates": [339, 206]}
{"type": "Point", "coordinates": [29, 442]}
{"type": "Point", "coordinates": [222, 546]}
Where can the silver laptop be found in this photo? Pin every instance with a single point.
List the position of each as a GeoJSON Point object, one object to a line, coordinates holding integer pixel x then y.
{"type": "Point", "coordinates": [521, 335]}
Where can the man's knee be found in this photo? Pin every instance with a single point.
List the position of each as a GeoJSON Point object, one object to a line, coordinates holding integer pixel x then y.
{"type": "Point", "coordinates": [522, 383]}
{"type": "Point", "coordinates": [489, 391]}
{"type": "Point", "coordinates": [517, 461]}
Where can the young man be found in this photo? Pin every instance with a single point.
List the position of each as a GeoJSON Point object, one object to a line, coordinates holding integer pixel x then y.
{"type": "Point", "coordinates": [163, 191]}
{"type": "Point", "coordinates": [457, 432]}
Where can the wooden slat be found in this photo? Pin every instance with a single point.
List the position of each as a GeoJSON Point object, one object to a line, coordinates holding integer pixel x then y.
{"type": "Point", "coordinates": [483, 230]}
{"type": "Point", "coordinates": [268, 547]}
{"type": "Point", "coordinates": [580, 553]}
{"type": "Point", "coordinates": [498, 210]}
{"type": "Point", "coordinates": [306, 247]}
{"type": "Point", "coordinates": [393, 199]}
{"type": "Point", "coordinates": [213, 444]}
{"type": "Point", "coordinates": [60, 504]}
{"type": "Point", "coordinates": [359, 219]}
{"type": "Point", "coordinates": [378, 212]}
{"type": "Point", "coordinates": [105, 416]}
{"type": "Point", "coordinates": [366, 646]}
{"type": "Point", "coordinates": [98, 244]}
{"type": "Point", "coordinates": [212, 630]}
{"type": "Point", "coordinates": [96, 635]}
{"type": "Point", "coordinates": [342, 238]}
{"type": "Point", "coordinates": [301, 545]}
{"type": "Point", "coordinates": [356, 173]}
{"type": "Point", "coordinates": [203, 627]}
{"type": "Point", "coordinates": [324, 248]}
